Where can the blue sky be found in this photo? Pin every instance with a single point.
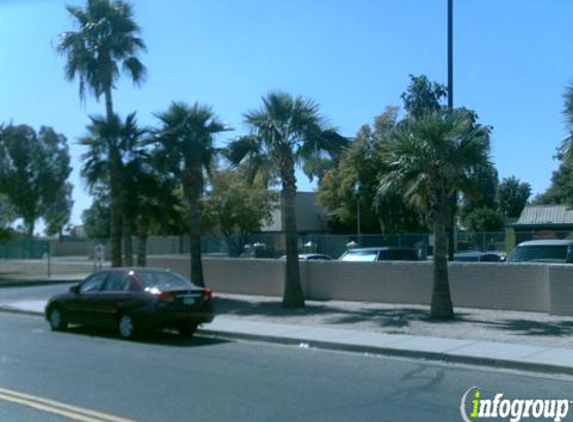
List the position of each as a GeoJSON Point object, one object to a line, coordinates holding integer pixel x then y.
{"type": "Point", "coordinates": [513, 60]}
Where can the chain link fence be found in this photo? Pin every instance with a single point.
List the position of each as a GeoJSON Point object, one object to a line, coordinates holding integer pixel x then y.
{"type": "Point", "coordinates": [74, 258]}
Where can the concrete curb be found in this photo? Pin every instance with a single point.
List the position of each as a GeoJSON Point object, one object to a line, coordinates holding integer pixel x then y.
{"type": "Point", "coordinates": [373, 350]}
{"type": "Point", "coordinates": [412, 354]}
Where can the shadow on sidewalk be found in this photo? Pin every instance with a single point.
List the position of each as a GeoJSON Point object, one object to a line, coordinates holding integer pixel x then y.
{"type": "Point", "coordinates": [392, 318]}
{"type": "Point", "coordinates": [533, 328]}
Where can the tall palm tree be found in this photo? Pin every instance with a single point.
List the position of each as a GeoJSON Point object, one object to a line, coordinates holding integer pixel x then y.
{"type": "Point", "coordinates": [430, 159]}
{"type": "Point", "coordinates": [106, 41]}
{"type": "Point", "coordinates": [285, 132]}
{"type": "Point", "coordinates": [115, 148]}
{"type": "Point", "coordinates": [186, 143]}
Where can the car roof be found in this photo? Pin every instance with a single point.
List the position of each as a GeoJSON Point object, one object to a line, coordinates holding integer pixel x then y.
{"type": "Point", "coordinates": [548, 242]}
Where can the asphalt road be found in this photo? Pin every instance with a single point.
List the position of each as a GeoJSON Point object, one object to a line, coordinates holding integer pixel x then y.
{"type": "Point", "coordinates": [166, 378]}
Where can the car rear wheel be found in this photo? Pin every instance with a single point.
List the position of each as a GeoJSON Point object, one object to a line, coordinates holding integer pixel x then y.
{"type": "Point", "coordinates": [126, 327]}
{"type": "Point", "coordinates": [187, 330]}
{"type": "Point", "coordinates": [57, 320]}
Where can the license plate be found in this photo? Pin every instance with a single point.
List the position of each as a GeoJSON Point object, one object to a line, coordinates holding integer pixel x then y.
{"type": "Point", "coordinates": [188, 301]}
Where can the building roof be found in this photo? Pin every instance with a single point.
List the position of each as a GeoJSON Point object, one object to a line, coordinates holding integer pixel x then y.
{"type": "Point", "coordinates": [546, 215]}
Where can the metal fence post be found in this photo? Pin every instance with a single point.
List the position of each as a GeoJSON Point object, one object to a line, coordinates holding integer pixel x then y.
{"type": "Point", "coordinates": [49, 253]}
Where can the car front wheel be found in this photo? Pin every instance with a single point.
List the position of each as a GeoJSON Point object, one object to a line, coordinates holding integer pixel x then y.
{"type": "Point", "coordinates": [57, 320]}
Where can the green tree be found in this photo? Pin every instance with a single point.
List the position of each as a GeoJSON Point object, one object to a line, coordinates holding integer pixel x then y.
{"type": "Point", "coordinates": [512, 196]}
{"type": "Point", "coordinates": [34, 169]}
{"type": "Point", "coordinates": [96, 218]}
{"type": "Point", "coordinates": [286, 131]}
{"type": "Point", "coordinates": [186, 145]}
{"type": "Point", "coordinates": [422, 96]}
{"type": "Point", "coordinates": [431, 158]}
{"type": "Point", "coordinates": [355, 179]}
{"type": "Point", "coordinates": [561, 189]}
{"type": "Point", "coordinates": [236, 207]}
{"type": "Point", "coordinates": [7, 212]}
{"type": "Point", "coordinates": [58, 213]}
{"type": "Point", "coordinates": [484, 220]}
{"type": "Point", "coordinates": [106, 41]}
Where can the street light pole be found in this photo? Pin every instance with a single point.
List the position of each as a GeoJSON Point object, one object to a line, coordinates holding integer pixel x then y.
{"type": "Point", "coordinates": [358, 220]}
{"type": "Point", "coordinates": [357, 191]}
{"type": "Point", "coordinates": [451, 54]}
{"type": "Point", "coordinates": [451, 230]}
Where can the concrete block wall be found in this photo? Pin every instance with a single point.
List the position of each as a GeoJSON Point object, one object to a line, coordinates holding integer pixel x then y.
{"type": "Point", "coordinates": [385, 282]}
{"type": "Point", "coordinates": [247, 276]}
{"type": "Point", "coordinates": [70, 248]}
{"type": "Point", "coordinates": [520, 287]}
{"type": "Point", "coordinates": [561, 290]}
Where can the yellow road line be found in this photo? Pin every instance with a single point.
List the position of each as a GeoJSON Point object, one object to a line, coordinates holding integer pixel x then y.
{"type": "Point", "coordinates": [62, 409]}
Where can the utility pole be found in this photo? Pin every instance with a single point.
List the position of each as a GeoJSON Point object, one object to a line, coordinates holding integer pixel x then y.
{"type": "Point", "coordinates": [451, 54]}
{"type": "Point", "coordinates": [452, 228]}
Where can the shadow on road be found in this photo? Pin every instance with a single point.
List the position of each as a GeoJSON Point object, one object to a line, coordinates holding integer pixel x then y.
{"type": "Point", "coordinates": [163, 338]}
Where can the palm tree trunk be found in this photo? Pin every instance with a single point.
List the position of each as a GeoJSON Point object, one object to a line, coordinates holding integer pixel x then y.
{"type": "Point", "coordinates": [142, 236]}
{"type": "Point", "coordinates": [30, 226]}
{"type": "Point", "coordinates": [115, 221]}
{"type": "Point", "coordinates": [452, 227]}
{"type": "Point", "coordinates": [193, 177]}
{"type": "Point", "coordinates": [293, 295]}
{"type": "Point", "coordinates": [115, 193]}
{"type": "Point", "coordinates": [441, 307]}
{"type": "Point", "coordinates": [127, 241]}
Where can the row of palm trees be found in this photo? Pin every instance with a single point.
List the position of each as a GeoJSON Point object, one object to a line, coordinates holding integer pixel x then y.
{"type": "Point", "coordinates": [431, 157]}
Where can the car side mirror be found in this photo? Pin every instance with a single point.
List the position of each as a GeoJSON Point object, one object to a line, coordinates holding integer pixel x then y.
{"type": "Point", "coordinates": [75, 289]}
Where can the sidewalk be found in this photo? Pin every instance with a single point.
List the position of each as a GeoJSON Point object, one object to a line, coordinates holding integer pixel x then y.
{"type": "Point", "coordinates": [349, 336]}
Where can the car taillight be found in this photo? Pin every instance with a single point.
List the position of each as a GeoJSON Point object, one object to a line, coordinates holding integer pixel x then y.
{"type": "Point", "coordinates": [207, 294]}
{"type": "Point", "coordinates": [165, 297]}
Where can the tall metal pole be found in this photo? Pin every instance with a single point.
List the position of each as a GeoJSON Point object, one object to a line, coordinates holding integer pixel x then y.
{"type": "Point", "coordinates": [452, 228]}
{"type": "Point", "coordinates": [358, 222]}
{"type": "Point", "coordinates": [451, 54]}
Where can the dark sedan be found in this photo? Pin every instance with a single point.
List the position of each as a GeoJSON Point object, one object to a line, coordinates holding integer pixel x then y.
{"type": "Point", "coordinates": [133, 300]}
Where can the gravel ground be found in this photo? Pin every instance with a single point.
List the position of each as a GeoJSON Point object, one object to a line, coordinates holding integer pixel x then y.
{"type": "Point", "coordinates": [474, 324]}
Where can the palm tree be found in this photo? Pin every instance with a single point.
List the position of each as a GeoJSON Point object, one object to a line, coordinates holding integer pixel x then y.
{"type": "Point", "coordinates": [186, 143]}
{"type": "Point", "coordinates": [153, 202]}
{"type": "Point", "coordinates": [106, 41]}
{"type": "Point", "coordinates": [115, 148]}
{"type": "Point", "coordinates": [286, 131]}
{"type": "Point", "coordinates": [431, 159]}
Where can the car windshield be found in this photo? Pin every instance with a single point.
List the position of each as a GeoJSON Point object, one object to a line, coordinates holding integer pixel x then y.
{"type": "Point", "coordinates": [540, 253]}
{"type": "Point", "coordinates": [163, 280]}
{"type": "Point", "coordinates": [359, 256]}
